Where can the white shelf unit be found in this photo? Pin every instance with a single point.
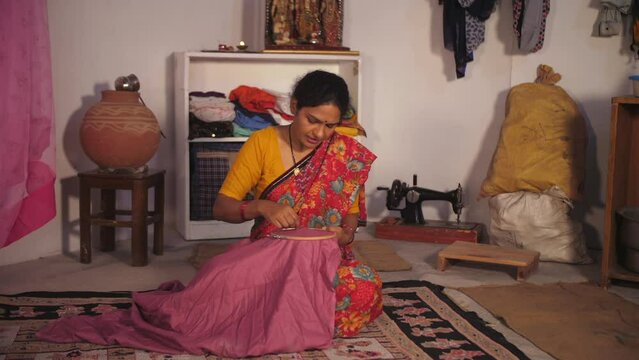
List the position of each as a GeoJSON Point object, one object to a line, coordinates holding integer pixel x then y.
{"type": "Point", "coordinates": [223, 72]}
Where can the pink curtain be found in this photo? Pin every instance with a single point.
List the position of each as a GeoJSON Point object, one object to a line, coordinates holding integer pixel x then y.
{"type": "Point", "coordinates": [27, 142]}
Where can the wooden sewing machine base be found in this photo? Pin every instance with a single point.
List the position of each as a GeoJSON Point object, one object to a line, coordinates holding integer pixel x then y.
{"type": "Point", "coordinates": [524, 260]}
{"type": "Point", "coordinates": [441, 232]}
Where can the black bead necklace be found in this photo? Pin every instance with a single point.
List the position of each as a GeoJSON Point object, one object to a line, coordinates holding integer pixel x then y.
{"type": "Point", "coordinates": [296, 170]}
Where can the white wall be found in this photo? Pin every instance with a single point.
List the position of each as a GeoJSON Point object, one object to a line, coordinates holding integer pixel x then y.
{"type": "Point", "coordinates": [420, 119]}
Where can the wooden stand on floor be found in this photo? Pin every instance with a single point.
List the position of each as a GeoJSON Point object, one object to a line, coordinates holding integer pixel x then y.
{"type": "Point", "coordinates": [441, 232]}
{"type": "Point", "coordinates": [107, 218]}
{"type": "Point", "coordinates": [524, 260]}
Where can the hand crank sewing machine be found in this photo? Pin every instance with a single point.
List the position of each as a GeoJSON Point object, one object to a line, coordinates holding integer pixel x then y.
{"type": "Point", "coordinates": [412, 226]}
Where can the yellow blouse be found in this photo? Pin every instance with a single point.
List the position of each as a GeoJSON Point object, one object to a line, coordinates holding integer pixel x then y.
{"type": "Point", "coordinates": [257, 165]}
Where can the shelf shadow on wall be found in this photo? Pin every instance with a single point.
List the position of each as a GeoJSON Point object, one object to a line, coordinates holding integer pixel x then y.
{"type": "Point", "coordinates": [592, 179]}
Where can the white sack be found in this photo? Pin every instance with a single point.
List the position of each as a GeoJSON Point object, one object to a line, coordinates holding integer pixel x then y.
{"type": "Point", "coordinates": [539, 222]}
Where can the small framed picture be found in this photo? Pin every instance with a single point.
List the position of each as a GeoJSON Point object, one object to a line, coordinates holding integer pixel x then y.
{"type": "Point", "coordinates": [304, 25]}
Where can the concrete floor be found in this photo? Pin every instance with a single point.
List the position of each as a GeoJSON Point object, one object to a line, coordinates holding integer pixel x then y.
{"type": "Point", "coordinates": [111, 271]}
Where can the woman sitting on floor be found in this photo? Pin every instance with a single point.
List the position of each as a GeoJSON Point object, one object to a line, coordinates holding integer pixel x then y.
{"type": "Point", "coordinates": [269, 293]}
{"type": "Point", "coordinates": [321, 190]}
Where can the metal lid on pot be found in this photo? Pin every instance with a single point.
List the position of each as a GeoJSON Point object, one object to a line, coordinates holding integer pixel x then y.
{"type": "Point", "coordinates": [127, 83]}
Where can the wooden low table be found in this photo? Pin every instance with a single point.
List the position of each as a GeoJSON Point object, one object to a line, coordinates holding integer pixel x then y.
{"type": "Point", "coordinates": [524, 260]}
{"type": "Point", "coordinates": [107, 219]}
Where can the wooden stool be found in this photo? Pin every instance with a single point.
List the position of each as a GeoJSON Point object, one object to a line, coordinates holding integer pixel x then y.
{"type": "Point", "coordinates": [524, 260]}
{"type": "Point", "coordinates": [141, 217]}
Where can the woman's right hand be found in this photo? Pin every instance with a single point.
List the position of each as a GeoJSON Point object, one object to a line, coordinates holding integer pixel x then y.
{"type": "Point", "coordinates": [282, 216]}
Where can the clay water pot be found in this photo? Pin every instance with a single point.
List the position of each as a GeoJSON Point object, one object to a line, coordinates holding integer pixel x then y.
{"type": "Point", "coordinates": [120, 132]}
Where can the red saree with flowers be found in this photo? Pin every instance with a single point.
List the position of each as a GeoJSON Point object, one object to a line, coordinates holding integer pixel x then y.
{"type": "Point", "coordinates": [265, 294]}
{"type": "Point", "coordinates": [329, 181]}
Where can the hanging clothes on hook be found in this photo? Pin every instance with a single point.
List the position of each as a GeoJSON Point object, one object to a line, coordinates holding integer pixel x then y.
{"type": "Point", "coordinates": [529, 23]}
{"type": "Point", "coordinates": [464, 28]}
{"type": "Point", "coordinates": [610, 22]}
{"type": "Point", "coordinates": [635, 28]}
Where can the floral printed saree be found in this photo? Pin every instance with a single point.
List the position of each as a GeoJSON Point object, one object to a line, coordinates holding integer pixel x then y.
{"type": "Point", "coordinates": [265, 294]}
{"type": "Point", "coordinates": [329, 181]}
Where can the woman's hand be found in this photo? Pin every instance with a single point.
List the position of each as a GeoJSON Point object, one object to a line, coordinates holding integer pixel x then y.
{"type": "Point", "coordinates": [344, 236]}
{"type": "Point", "coordinates": [234, 211]}
{"type": "Point", "coordinates": [282, 216]}
{"type": "Point", "coordinates": [345, 233]}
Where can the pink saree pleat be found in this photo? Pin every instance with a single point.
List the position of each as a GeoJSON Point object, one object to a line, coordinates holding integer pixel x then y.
{"type": "Point", "coordinates": [260, 297]}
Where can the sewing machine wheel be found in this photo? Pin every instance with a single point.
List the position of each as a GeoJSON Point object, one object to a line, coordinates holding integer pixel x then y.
{"type": "Point", "coordinates": [395, 194]}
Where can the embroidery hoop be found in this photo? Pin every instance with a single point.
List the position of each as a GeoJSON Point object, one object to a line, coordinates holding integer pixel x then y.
{"type": "Point", "coordinates": [302, 234]}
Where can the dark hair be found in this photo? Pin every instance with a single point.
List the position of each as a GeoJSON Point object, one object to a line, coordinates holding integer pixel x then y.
{"type": "Point", "coordinates": [320, 88]}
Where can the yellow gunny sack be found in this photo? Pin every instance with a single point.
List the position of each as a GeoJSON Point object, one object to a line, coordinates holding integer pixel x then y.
{"type": "Point", "coordinates": [542, 142]}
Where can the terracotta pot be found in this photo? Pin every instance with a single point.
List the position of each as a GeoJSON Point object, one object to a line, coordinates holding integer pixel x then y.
{"type": "Point", "coordinates": [120, 132]}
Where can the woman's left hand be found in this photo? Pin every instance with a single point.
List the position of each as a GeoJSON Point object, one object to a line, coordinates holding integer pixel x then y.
{"type": "Point", "coordinates": [343, 236]}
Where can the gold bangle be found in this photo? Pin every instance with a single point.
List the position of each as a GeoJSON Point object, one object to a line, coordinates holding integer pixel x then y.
{"type": "Point", "coordinates": [350, 228]}
{"type": "Point", "coordinates": [350, 241]}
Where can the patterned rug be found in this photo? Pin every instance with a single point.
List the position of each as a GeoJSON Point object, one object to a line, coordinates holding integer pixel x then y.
{"type": "Point", "coordinates": [419, 322]}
